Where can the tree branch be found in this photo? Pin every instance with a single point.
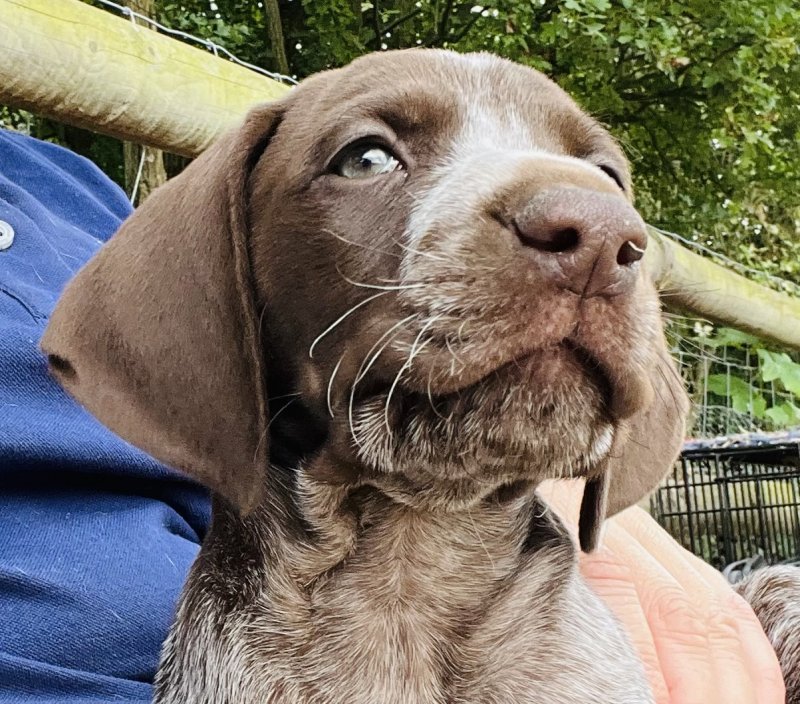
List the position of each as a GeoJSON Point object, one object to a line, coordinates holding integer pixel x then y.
{"type": "Point", "coordinates": [465, 29]}
{"type": "Point", "coordinates": [397, 22]}
{"type": "Point", "coordinates": [376, 25]}
{"type": "Point", "coordinates": [140, 163]}
{"type": "Point", "coordinates": [444, 21]}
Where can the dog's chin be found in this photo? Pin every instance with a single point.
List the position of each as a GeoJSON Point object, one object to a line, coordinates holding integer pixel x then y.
{"type": "Point", "coordinates": [544, 415]}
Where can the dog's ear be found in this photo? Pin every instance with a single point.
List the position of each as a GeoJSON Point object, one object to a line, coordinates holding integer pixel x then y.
{"type": "Point", "coordinates": [644, 450]}
{"type": "Point", "coordinates": [158, 334]}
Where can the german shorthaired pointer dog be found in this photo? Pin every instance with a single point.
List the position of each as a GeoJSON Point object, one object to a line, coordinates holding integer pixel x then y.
{"type": "Point", "coordinates": [372, 320]}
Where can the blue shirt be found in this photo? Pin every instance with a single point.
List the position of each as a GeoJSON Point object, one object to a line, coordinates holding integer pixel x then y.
{"type": "Point", "coordinates": [95, 537]}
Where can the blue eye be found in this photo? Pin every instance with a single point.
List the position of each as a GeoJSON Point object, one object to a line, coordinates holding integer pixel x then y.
{"type": "Point", "coordinates": [365, 161]}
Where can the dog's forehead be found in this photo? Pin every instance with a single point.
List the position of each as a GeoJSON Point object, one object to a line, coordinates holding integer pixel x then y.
{"type": "Point", "coordinates": [465, 97]}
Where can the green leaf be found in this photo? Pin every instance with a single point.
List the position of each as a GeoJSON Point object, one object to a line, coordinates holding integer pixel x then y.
{"type": "Point", "coordinates": [784, 415]}
{"type": "Point", "coordinates": [781, 367]}
{"type": "Point", "coordinates": [758, 406]}
{"type": "Point", "coordinates": [730, 337]}
{"type": "Point", "coordinates": [734, 388]}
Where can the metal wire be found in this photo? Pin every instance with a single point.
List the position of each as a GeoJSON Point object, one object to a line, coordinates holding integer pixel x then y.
{"type": "Point", "coordinates": [213, 47]}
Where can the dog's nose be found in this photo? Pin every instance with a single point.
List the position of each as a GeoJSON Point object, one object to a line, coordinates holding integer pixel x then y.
{"type": "Point", "coordinates": [586, 241]}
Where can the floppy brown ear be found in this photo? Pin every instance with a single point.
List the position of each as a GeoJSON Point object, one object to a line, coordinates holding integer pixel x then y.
{"type": "Point", "coordinates": [644, 450]}
{"type": "Point", "coordinates": [158, 336]}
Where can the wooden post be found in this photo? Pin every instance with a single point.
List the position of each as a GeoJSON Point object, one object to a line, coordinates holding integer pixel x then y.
{"type": "Point", "coordinates": [144, 166]}
{"type": "Point", "coordinates": [272, 14]}
{"type": "Point", "coordinates": [702, 287]}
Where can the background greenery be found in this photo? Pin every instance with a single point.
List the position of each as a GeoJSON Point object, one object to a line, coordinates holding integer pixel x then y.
{"type": "Point", "coordinates": [704, 95]}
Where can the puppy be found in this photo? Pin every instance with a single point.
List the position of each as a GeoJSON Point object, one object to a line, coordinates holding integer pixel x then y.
{"type": "Point", "coordinates": [372, 320]}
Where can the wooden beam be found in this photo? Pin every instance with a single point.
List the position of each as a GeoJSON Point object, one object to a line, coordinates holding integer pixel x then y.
{"type": "Point", "coordinates": [697, 285]}
{"type": "Point", "coordinates": [87, 67]}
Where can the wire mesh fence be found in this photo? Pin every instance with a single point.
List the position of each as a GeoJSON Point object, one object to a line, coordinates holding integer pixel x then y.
{"type": "Point", "coordinates": [737, 384]}
{"type": "Point", "coordinates": [735, 491]}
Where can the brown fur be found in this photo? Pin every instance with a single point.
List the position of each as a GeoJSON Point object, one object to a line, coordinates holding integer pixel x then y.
{"type": "Point", "coordinates": [423, 363]}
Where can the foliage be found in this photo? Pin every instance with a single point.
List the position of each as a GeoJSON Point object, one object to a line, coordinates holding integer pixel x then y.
{"type": "Point", "coordinates": [703, 95]}
{"type": "Point", "coordinates": [18, 120]}
{"type": "Point", "coordinates": [754, 380]}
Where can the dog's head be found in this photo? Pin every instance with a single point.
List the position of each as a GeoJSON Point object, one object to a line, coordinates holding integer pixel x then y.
{"type": "Point", "coordinates": [426, 263]}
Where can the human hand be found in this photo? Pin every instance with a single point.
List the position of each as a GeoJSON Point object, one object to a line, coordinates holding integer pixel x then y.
{"type": "Point", "coordinates": [700, 642]}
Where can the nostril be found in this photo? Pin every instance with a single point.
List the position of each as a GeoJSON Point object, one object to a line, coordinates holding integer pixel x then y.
{"type": "Point", "coordinates": [549, 240]}
{"type": "Point", "coordinates": [629, 253]}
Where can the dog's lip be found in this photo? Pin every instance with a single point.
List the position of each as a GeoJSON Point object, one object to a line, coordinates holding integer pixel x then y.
{"type": "Point", "coordinates": [592, 365]}
{"type": "Point", "coordinates": [609, 383]}
{"type": "Point", "coordinates": [618, 383]}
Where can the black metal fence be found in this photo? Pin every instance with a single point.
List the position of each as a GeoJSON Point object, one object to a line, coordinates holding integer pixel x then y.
{"type": "Point", "coordinates": [734, 498]}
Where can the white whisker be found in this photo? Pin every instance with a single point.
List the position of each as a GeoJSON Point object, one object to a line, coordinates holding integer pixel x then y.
{"type": "Point", "coordinates": [390, 287]}
{"type": "Point", "coordinates": [330, 385]}
{"type": "Point", "coordinates": [362, 370]}
{"type": "Point", "coordinates": [342, 317]}
{"type": "Point", "coordinates": [430, 396]}
{"type": "Point", "coordinates": [416, 348]}
{"type": "Point", "coordinates": [359, 244]}
{"type": "Point", "coordinates": [422, 254]}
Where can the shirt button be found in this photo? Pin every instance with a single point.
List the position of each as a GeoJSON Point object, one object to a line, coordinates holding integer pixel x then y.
{"type": "Point", "coordinates": [6, 235]}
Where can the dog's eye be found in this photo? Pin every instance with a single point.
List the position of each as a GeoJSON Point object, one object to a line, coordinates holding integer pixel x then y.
{"type": "Point", "coordinates": [364, 161]}
{"type": "Point", "coordinates": [614, 174]}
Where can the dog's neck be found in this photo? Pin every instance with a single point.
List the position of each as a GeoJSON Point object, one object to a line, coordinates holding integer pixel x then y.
{"type": "Point", "coordinates": [376, 527]}
{"type": "Point", "coordinates": [347, 575]}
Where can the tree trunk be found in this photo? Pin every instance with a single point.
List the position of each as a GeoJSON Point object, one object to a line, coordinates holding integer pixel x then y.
{"type": "Point", "coordinates": [151, 160]}
{"type": "Point", "coordinates": [275, 35]}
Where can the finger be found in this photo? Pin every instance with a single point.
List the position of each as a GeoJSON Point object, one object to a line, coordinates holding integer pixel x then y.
{"type": "Point", "coordinates": [706, 652]}
{"type": "Point", "coordinates": [613, 582]}
{"type": "Point", "coordinates": [758, 653]}
{"type": "Point", "coordinates": [692, 574]}
{"type": "Point", "coordinates": [731, 667]}
{"type": "Point", "coordinates": [675, 622]}
{"type": "Point", "coordinates": [684, 662]}
{"type": "Point", "coordinates": [742, 656]}
{"type": "Point", "coordinates": [564, 497]}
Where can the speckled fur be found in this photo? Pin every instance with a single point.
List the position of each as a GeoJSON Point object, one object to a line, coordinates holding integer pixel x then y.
{"type": "Point", "coordinates": [774, 594]}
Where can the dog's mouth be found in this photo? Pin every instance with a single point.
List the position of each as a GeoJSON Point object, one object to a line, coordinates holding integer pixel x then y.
{"type": "Point", "coordinates": [546, 412]}
{"type": "Point", "coordinates": [619, 384]}
{"type": "Point", "coordinates": [567, 365]}
{"type": "Point", "coordinates": [508, 407]}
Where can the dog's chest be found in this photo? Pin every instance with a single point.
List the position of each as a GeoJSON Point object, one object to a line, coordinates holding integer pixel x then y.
{"type": "Point", "coordinates": [413, 617]}
{"type": "Point", "coordinates": [397, 622]}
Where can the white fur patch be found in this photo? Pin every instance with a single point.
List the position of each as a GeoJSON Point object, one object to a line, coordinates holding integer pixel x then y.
{"type": "Point", "coordinates": [494, 142]}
